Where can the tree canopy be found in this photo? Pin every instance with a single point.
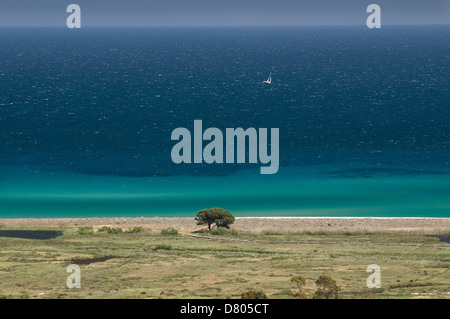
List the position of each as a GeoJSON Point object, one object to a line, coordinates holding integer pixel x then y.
{"type": "Point", "coordinates": [300, 281]}
{"type": "Point", "coordinates": [327, 288]}
{"type": "Point", "coordinates": [215, 216]}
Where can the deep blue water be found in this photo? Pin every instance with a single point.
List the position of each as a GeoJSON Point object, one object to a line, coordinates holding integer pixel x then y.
{"type": "Point", "coordinates": [88, 114]}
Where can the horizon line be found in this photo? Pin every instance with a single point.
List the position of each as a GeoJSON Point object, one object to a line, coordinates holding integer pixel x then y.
{"type": "Point", "coordinates": [223, 26]}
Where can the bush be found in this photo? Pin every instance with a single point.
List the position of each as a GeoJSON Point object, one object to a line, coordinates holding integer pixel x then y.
{"type": "Point", "coordinates": [117, 230]}
{"type": "Point", "coordinates": [327, 288]}
{"type": "Point", "coordinates": [114, 230]}
{"type": "Point", "coordinates": [254, 294]}
{"type": "Point", "coordinates": [169, 232]}
{"type": "Point", "coordinates": [85, 231]}
{"type": "Point", "coordinates": [163, 247]}
{"type": "Point", "coordinates": [300, 282]}
{"type": "Point", "coordinates": [110, 230]}
{"type": "Point", "coordinates": [221, 231]}
{"type": "Point", "coordinates": [135, 230]}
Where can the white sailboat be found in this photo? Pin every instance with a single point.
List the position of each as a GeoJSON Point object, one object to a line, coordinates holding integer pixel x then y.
{"type": "Point", "coordinates": [269, 80]}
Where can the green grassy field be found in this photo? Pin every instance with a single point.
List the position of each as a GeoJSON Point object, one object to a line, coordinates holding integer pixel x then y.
{"type": "Point", "coordinates": [151, 265]}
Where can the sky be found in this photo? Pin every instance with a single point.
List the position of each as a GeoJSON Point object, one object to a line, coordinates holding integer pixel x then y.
{"type": "Point", "coordinates": [222, 12]}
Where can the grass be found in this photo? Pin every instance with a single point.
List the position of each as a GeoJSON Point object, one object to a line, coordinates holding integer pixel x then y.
{"type": "Point", "coordinates": [85, 231]}
{"type": "Point", "coordinates": [163, 247]}
{"type": "Point", "coordinates": [169, 232]}
{"type": "Point", "coordinates": [110, 230]}
{"type": "Point", "coordinates": [147, 264]}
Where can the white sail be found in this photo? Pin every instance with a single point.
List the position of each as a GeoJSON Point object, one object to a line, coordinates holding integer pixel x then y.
{"type": "Point", "coordinates": [269, 80]}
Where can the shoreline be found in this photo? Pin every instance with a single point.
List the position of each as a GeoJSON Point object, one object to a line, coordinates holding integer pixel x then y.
{"type": "Point", "coordinates": [250, 224]}
{"type": "Point", "coordinates": [332, 217]}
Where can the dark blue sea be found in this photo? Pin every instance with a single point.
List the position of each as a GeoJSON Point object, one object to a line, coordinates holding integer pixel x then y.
{"type": "Point", "coordinates": [86, 118]}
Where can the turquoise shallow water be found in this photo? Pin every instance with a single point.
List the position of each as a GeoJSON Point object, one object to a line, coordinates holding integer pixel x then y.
{"type": "Point", "coordinates": [86, 119]}
{"type": "Point", "coordinates": [293, 192]}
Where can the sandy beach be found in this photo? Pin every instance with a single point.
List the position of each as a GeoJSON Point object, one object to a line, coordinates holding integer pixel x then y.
{"type": "Point", "coordinates": [250, 224]}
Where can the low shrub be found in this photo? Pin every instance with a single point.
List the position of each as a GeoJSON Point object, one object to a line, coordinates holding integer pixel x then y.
{"type": "Point", "coordinates": [169, 232]}
{"type": "Point", "coordinates": [85, 231]}
{"type": "Point", "coordinates": [254, 294]}
{"type": "Point", "coordinates": [135, 230]}
{"type": "Point", "coordinates": [221, 231]}
{"type": "Point", "coordinates": [110, 230]}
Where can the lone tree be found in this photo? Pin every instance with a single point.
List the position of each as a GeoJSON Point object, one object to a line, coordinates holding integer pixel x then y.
{"type": "Point", "coordinates": [218, 216]}
{"type": "Point", "coordinates": [326, 288]}
{"type": "Point", "coordinates": [300, 281]}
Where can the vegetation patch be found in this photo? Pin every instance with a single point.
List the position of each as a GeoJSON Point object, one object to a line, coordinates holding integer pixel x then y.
{"type": "Point", "coordinates": [169, 232]}
{"type": "Point", "coordinates": [163, 247]}
{"type": "Point", "coordinates": [254, 294]}
{"type": "Point", "coordinates": [86, 231]}
{"type": "Point", "coordinates": [110, 230]}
